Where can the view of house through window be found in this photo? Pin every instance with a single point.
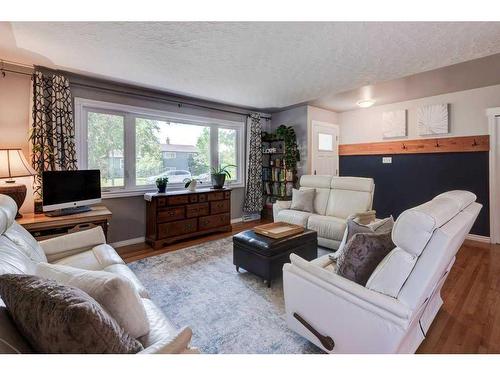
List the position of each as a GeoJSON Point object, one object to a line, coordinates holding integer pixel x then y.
{"type": "Point", "coordinates": [132, 151]}
{"type": "Point", "coordinates": [173, 150]}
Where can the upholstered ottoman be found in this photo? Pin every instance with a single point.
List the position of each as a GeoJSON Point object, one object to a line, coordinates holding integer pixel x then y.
{"type": "Point", "coordinates": [265, 256]}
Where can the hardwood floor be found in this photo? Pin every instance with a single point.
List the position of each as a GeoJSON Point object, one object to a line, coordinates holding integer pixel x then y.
{"type": "Point", "coordinates": [469, 320]}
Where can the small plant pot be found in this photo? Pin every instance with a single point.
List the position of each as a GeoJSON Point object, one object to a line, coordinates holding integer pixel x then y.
{"type": "Point", "coordinates": [218, 180]}
{"type": "Point", "coordinates": [161, 188]}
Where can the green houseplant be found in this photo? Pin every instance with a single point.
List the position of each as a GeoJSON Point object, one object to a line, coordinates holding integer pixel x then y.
{"type": "Point", "coordinates": [219, 175]}
{"type": "Point", "coordinates": [292, 153]}
{"type": "Point", "coordinates": [161, 184]}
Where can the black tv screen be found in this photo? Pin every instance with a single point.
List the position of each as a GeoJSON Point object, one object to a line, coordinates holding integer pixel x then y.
{"type": "Point", "coordinates": [70, 188]}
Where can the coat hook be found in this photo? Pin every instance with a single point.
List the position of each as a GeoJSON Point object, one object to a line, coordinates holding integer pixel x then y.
{"type": "Point", "coordinates": [475, 143]}
{"type": "Point", "coordinates": [437, 143]}
{"type": "Point", "coordinates": [404, 146]}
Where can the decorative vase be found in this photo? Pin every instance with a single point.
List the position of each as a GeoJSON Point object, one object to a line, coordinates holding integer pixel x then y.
{"type": "Point", "coordinates": [218, 180]}
{"type": "Point", "coordinates": [192, 185]}
{"type": "Point", "coordinates": [161, 188]}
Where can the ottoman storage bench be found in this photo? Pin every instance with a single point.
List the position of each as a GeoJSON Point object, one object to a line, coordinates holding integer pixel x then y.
{"type": "Point", "coordinates": [265, 256]}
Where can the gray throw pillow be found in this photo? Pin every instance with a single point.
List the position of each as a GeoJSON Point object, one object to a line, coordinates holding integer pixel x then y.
{"type": "Point", "coordinates": [362, 254]}
{"type": "Point", "coordinates": [303, 200]}
{"type": "Point", "coordinates": [58, 319]}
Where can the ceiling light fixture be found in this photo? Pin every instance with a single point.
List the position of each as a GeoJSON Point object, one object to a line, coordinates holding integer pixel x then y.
{"type": "Point", "coordinates": [366, 103]}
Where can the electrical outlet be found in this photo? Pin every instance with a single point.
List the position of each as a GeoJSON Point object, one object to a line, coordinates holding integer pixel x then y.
{"type": "Point", "coordinates": [387, 160]}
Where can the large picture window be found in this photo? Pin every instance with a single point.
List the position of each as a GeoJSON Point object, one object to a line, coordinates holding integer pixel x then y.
{"type": "Point", "coordinates": [132, 147]}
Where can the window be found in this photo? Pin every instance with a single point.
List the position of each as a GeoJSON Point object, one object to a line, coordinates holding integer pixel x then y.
{"type": "Point", "coordinates": [134, 146]}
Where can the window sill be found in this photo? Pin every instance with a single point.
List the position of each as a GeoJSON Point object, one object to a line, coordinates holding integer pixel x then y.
{"type": "Point", "coordinates": [140, 192]}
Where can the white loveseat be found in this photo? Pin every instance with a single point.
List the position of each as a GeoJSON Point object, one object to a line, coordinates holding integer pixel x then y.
{"type": "Point", "coordinates": [20, 252]}
{"type": "Point", "coordinates": [393, 313]}
{"type": "Point", "coordinates": [336, 199]}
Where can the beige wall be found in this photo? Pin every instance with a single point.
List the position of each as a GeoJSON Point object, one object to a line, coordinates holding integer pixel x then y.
{"type": "Point", "coordinates": [467, 115]}
{"type": "Point", "coordinates": [15, 115]}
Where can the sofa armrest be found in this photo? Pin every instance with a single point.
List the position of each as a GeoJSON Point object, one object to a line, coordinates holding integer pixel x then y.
{"type": "Point", "coordinates": [280, 205]}
{"type": "Point", "coordinates": [380, 304]}
{"type": "Point", "coordinates": [176, 344]}
{"type": "Point", "coordinates": [61, 247]}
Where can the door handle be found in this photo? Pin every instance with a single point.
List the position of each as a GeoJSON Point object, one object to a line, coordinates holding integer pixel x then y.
{"type": "Point", "coordinates": [326, 341]}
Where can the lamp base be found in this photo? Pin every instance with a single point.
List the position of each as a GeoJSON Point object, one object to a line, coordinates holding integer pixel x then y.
{"type": "Point", "coordinates": [16, 192]}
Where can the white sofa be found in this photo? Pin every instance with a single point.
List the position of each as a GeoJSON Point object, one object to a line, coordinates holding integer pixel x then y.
{"type": "Point", "coordinates": [336, 199]}
{"type": "Point", "coordinates": [393, 313]}
{"type": "Point", "coordinates": [20, 252]}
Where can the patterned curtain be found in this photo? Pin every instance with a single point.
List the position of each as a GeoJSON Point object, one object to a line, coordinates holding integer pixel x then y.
{"type": "Point", "coordinates": [53, 132]}
{"type": "Point", "coordinates": [253, 195]}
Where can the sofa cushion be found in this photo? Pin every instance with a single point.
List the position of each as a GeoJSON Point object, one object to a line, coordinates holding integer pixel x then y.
{"type": "Point", "coordinates": [362, 254]}
{"type": "Point", "coordinates": [25, 242]}
{"type": "Point", "coordinates": [303, 200]}
{"type": "Point", "coordinates": [294, 217]}
{"type": "Point", "coordinates": [353, 183]}
{"type": "Point", "coordinates": [327, 226]}
{"type": "Point", "coordinates": [64, 246]}
{"type": "Point", "coordinates": [96, 259]}
{"type": "Point", "coordinates": [11, 340]}
{"type": "Point", "coordinates": [115, 293]}
{"type": "Point", "coordinates": [344, 203]}
{"type": "Point", "coordinates": [13, 259]}
{"type": "Point", "coordinates": [123, 270]}
{"type": "Point", "coordinates": [414, 227]}
{"type": "Point", "coordinates": [321, 184]}
{"type": "Point", "coordinates": [62, 319]}
{"type": "Point", "coordinates": [8, 212]}
{"type": "Point", "coordinates": [462, 197]}
{"type": "Point", "coordinates": [392, 272]}
{"type": "Point", "coordinates": [163, 336]}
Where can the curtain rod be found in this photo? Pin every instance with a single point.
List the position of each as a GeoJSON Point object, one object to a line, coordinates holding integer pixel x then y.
{"type": "Point", "coordinates": [180, 103]}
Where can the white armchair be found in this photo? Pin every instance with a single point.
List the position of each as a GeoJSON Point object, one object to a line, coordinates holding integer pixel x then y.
{"type": "Point", "coordinates": [393, 312]}
{"type": "Point", "coordinates": [20, 253]}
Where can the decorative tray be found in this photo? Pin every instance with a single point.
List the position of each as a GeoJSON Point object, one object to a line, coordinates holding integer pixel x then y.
{"type": "Point", "coordinates": [278, 229]}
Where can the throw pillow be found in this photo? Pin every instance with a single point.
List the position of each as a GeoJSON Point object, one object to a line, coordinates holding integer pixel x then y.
{"type": "Point", "coordinates": [362, 254]}
{"type": "Point", "coordinates": [303, 200]}
{"type": "Point", "coordinates": [113, 292]}
{"type": "Point", "coordinates": [354, 226]}
{"type": "Point", "coordinates": [58, 319]}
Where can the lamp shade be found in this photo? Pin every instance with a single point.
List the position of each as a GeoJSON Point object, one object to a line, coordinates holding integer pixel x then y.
{"type": "Point", "coordinates": [14, 164]}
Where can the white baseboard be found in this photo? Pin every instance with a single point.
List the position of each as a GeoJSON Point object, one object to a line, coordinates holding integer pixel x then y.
{"type": "Point", "coordinates": [478, 238]}
{"type": "Point", "coordinates": [237, 220]}
{"type": "Point", "coordinates": [131, 241]}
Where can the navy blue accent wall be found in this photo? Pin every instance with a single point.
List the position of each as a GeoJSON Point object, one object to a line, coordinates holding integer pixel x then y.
{"type": "Point", "coordinates": [416, 178]}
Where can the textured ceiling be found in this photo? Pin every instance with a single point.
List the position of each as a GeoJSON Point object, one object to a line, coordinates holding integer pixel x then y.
{"type": "Point", "coordinates": [259, 65]}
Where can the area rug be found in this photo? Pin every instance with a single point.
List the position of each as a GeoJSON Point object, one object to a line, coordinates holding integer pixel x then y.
{"type": "Point", "coordinates": [229, 312]}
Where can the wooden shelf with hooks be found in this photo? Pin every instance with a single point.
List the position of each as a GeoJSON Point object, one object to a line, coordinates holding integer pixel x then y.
{"type": "Point", "coordinates": [419, 146]}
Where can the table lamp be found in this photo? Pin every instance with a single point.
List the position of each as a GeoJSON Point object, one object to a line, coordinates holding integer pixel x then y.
{"type": "Point", "coordinates": [14, 164]}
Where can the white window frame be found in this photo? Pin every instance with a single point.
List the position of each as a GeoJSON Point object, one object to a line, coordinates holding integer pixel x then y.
{"type": "Point", "coordinates": [130, 113]}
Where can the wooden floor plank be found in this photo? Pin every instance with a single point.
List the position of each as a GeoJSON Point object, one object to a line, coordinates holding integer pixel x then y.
{"type": "Point", "coordinates": [469, 320]}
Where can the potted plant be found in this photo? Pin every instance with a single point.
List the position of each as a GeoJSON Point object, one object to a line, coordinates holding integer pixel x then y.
{"type": "Point", "coordinates": [161, 184]}
{"type": "Point", "coordinates": [219, 175]}
{"type": "Point", "coordinates": [191, 183]}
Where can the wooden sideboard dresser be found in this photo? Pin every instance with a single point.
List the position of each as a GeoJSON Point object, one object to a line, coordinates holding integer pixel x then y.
{"type": "Point", "coordinates": [175, 216]}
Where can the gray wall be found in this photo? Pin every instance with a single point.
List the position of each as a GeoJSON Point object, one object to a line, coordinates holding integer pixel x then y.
{"type": "Point", "coordinates": [129, 213]}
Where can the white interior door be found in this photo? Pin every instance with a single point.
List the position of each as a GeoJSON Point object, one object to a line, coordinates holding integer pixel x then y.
{"type": "Point", "coordinates": [495, 179]}
{"type": "Point", "coordinates": [325, 148]}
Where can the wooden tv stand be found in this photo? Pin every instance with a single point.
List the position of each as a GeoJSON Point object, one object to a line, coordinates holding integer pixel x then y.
{"type": "Point", "coordinates": [175, 216]}
{"type": "Point", "coordinates": [43, 227]}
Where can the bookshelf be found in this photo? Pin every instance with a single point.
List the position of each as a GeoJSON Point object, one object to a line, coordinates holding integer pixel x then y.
{"type": "Point", "coordinates": [278, 180]}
